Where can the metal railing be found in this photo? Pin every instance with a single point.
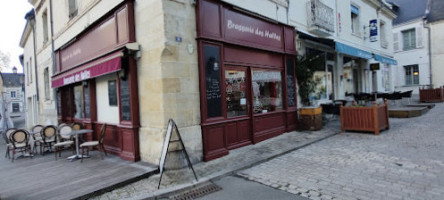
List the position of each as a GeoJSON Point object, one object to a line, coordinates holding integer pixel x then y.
{"type": "Point", "coordinates": [320, 17]}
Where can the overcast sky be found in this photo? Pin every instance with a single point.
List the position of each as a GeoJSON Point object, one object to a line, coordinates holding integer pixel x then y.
{"type": "Point", "coordinates": [12, 23]}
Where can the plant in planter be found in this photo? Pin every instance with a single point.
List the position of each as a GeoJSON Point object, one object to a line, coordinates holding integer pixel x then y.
{"type": "Point", "coordinates": [310, 118]}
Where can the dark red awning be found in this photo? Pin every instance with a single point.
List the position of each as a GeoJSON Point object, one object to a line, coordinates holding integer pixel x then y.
{"type": "Point", "coordinates": [99, 67]}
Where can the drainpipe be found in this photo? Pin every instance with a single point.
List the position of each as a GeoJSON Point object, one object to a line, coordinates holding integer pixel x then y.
{"type": "Point", "coordinates": [35, 60]}
{"type": "Point", "coordinates": [429, 34]}
{"type": "Point", "coordinates": [52, 54]}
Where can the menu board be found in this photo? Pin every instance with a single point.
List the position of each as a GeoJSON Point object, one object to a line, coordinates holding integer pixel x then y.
{"type": "Point", "coordinates": [291, 90]}
{"type": "Point", "coordinates": [125, 100]}
{"type": "Point", "coordinates": [212, 77]}
{"type": "Point", "coordinates": [87, 102]}
{"type": "Point", "coordinates": [112, 93]}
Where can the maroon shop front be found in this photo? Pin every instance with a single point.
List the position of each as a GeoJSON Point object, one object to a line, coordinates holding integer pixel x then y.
{"type": "Point", "coordinates": [96, 81]}
{"type": "Point", "coordinates": [247, 78]}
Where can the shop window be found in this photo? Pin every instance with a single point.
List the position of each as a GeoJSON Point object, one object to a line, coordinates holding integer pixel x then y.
{"type": "Point", "coordinates": [46, 79]}
{"type": "Point", "coordinates": [267, 91]}
{"type": "Point", "coordinates": [59, 103]}
{"type": "Point", "coordinates": [73, 7]}
{"type": "Point", "coordinates": [112, 93]}
{"type": "Point", "coordinates": [212, 81]}
{"type": "Point", "coordinates": [354, 19]}
{"type": "Point", "coordinates": [411, 75]}
{"type": "Point", "coordinates": [125, 99]}
{"type": "Point", "coordinates": [408, 39]}
{"type": "Point", "coordinates": [78, 102]}
{"type": "Point", "coordinates": [291, 89]}
{"type": "Point", "coordinates": [235, 87]}
{"type": "Point", "coordinates": [87, 98]}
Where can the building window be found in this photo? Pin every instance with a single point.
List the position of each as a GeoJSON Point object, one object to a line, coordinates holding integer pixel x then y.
{"type": "Point", "coordinates": [408, 39]}
{"type": "Point", "coordinates": [112, 92]}
{"type": "Point", "coordinates": [13, 94]}
{"type": "Point", "coordinates": [27, 73]}
{"type": "Point", "coordinates": [45, 26]}
{"type": "Point", "coordinates": [46, 77]}
{"type": "Point", "coordinates": [30, 70]}
{"type": "Point", "coordinates": [73, 7]}
{"type": "Point", "coordinates": [383, 35]}
{"type": "Point", "coordinates": [15, 107]}
{"type": "Point", "coordinates": [411, 75]}
{"type": "Point", "coordinates": [354, 19]}
{"type": "Point", "coordinates": [236, 98]}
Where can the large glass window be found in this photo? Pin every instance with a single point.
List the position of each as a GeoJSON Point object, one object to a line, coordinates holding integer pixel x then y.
{"type": "Point", "coordinates": [354, 19]}
{"type": "Point", "coordinates": [236, 93]}
{"type": "Point", "coordinates": [78, 101]}
{"type": "Point", "coordinates": [408, 39]}
{"type": "Point", "coordinates": [411, 75]}
{"type": "Point", "coordinates": [267, 90]}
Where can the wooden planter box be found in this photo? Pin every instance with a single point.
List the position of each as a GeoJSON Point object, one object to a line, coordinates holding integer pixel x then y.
{"type": "Point", "coordinates": [431, 95]}
{"type": "Point", "coordinates": [310, 118]}
{"type": "Point", "coordinates": [372, 119]}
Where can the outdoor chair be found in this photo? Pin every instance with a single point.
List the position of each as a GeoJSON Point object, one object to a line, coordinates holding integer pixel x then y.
{"type": "Point", "coordinates": [64, 140]}
{"type": "Point", "coordinates": [394, 97]}
{"type": "Point", "coordinates": [49, 136]}
{"type": "Point", "coordinates": [38, 140]}
{"type": "Point", "coordinates": [6, 137]}
{"type": "Point", "coordinates": [76, 126]}
{"type": "Point", "coordinates": [99, 144]}
{"type": "Point", "coordinates": [19, 139]}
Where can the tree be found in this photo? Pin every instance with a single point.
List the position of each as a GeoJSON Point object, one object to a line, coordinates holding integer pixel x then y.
{"type": "Point", "coordinates": [305, 68]}
{"type": "Point", "coordinates": [4, 60]}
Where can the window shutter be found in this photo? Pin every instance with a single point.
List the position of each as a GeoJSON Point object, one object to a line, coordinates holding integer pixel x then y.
{"type": "Point", "coordinates": [396, 42]}
{"type": "Point", "coordinates": [419, 37]}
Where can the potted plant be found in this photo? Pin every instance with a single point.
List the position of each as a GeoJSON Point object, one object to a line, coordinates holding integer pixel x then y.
{"type": "Point", "coordinates": [310, 117]}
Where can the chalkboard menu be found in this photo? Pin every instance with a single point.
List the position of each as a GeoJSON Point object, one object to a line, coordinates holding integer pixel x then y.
{"type": "Point", "coordinates": [87, 102]}
{"type": "Point", "coordinates": [112, 93]}
{"type": "Point", "coordinates": [291, 90]}
{"type": "Point", "coordinates": [59, 103]}
{"type": "Point", "coordinates": [212, 77]}
{"type": "Point", "coordinates": [125, 100]}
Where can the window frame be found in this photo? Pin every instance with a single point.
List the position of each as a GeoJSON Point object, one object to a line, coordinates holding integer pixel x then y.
{"type": "Point", "coordinates": [355, 21]}
{"type": "Point", "coordinates": [73, 7]}
{"type": "Point", "coordinates": [411, 34]}
{"type": "Point", "coordinates": [46, 80]}
{"type": "Point", "coordinates": [13, 94]}
{"type": "Point", "coordinates": [409, 74]}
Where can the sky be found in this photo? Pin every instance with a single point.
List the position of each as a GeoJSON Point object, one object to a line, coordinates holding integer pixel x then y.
{"type": "Point", "coordinates": [12, 23]}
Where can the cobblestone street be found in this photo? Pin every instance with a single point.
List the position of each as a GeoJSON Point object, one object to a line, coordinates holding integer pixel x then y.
{"type": "Point", "coordinates": [405, 162]}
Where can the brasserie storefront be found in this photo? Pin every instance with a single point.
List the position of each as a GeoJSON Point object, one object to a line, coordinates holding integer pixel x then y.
{"type": "Point", "coordinates": [247, 78]}
{"type": "Point", "coordinates": [96, 82]}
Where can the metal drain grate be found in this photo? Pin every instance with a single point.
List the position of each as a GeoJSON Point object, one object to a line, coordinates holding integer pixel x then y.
{"type": "Point", "coordinates": [197, 192]}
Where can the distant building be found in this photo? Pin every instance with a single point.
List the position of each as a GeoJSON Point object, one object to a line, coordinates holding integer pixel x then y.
{"type": "Point", "coordinates": [410, 45]}
{"type": "Point", "coordinates": [435, 20]}
{"type": "Point", "coordinates": [13, 93]}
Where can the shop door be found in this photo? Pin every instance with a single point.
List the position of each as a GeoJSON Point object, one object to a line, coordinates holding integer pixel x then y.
{"type": "Point", "coordinates": [237, 104]}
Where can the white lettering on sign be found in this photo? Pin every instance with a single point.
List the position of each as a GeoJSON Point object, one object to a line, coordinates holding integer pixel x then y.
{"type": "Point", "coordinates": [79, 76]}
{"type": "Point", "coordinates": [255, 31]}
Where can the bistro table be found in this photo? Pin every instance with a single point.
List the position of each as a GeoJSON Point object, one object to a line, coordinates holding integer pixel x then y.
{"type": "Point", "coordinates": [77, 133]}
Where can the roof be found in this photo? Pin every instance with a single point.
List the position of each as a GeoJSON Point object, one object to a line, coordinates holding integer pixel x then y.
{"type": "Point", "coordinates": [409, 10]}
{"type": "Point", "coordinates": [12, 80]}
{"type": "Point", "coordinates": [436, 11]}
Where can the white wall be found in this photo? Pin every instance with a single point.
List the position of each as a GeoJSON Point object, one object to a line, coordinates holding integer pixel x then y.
{"type": "Point", "coordinates": [105, 112]}
{"type": "Point", "coordinates": [437, 51]}
{"type": "Point", "coordinates": [417, 56]}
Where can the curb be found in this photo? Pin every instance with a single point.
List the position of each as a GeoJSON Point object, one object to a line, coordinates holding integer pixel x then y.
{"type": "Point", "coordinates": [165, 193]}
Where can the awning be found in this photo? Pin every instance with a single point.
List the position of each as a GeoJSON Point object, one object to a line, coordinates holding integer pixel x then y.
{"type": "Point", "coordinates": [384, 59]}
{"type": "Point", "coordinates": [343, 48]}
{"type": "Point", "coordinates": [99, 67]}
{"type": "Point", "coordinates": [307, 36]}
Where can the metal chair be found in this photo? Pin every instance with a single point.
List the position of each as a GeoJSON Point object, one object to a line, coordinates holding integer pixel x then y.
{"type": "Point", "coordinates": [6, 137]}
{"type": "Point", "coordinates": [49, 136]}
{"type": "Point", "coordinates": [64, 140]}
{"type": "Point", "coordinates": [98, 143]}
{"type": "Point", "coordinates": [76, 126]}
{"type": "Point", "coordinates": [38, 140]}
{"type": "Point", "coordinates": [20, 142]}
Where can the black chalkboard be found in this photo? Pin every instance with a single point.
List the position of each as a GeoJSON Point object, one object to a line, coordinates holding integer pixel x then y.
{"type": "Point", "coordinates": [212, 77]}
{"type": "Point", "coordinates": [87, 101]}
{"type": "Point", "coordinates": [112, 93]}
{"type": "Point", "coordinates": [291, 83]}
{"type": "Point", "coordinates": [125, 100]}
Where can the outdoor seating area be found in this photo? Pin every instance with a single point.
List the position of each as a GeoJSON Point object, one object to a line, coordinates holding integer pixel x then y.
{"type": "Point", "coordinates": [29, 166]}
{"type": "Point", "coordinates": [362, 98]}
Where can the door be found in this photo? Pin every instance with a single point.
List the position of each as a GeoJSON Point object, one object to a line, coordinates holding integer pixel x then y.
{"type": "Point", "coordinates": [237, 106]}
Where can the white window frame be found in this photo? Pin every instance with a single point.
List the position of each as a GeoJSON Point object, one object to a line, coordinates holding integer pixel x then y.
{"type": "Point", "coordinates": [408, 39]}
{"type": "Point", "coordinates": [410, 78]}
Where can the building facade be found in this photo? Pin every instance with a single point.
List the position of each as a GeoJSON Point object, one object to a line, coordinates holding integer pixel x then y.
{"type": "Point", "coordinates": [411, 46]}
{"type": "Point", "coordinates": [435, 20]}
{"type": "Point", "coordinates": [223, 70]}
{"type": "Point", "coordinates": [13, 93]}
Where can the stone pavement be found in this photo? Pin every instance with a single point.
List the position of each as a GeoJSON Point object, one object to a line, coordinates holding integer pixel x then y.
{"type": "Point", "coordinates": [405, 162]}
{"type": "Point", "coordinates": [237, 159]}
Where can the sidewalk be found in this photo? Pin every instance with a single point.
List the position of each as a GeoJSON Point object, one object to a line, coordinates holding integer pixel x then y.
{"type": "Point", "coordinates": [238, 159]}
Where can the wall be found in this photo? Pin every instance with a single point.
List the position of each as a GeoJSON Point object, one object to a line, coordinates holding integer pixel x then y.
{"type": "Point", "coordinates": [437, 52]}
{"type": "Point", "coordinates": [415, 56]}
{"type": "Point", "coordinates": [105, 112]}
{"type": "Point", "coordinates": [169, 87]}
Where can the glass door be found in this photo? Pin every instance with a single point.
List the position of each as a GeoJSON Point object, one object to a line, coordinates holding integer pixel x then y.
{"type": "Point", "coordinates": [236, 94]}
